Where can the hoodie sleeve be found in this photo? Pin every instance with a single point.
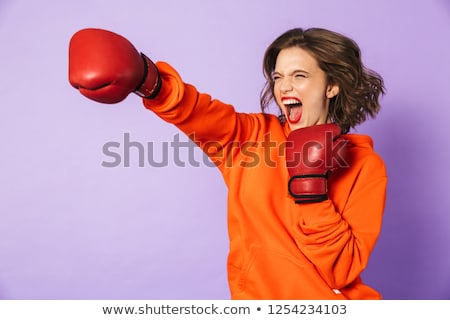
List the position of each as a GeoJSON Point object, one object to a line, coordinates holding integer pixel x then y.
{"type": "Point", "coordinates": [339, 242]}
{"type": "Point", "coordinates": [213, 125]}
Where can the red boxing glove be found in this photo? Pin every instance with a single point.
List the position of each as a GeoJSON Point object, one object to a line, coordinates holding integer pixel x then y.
{"type": "Point", "coordinates": [106, 67]}
{"type": "Point", "coordinates": [311, 154]}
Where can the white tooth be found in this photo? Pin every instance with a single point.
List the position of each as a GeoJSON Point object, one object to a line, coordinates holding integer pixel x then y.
{"type": "Point", "coordinates": [291, 101]}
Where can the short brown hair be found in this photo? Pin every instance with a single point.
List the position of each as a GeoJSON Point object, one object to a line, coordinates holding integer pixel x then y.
{"type": "Point", "coordinates": [340, 58]}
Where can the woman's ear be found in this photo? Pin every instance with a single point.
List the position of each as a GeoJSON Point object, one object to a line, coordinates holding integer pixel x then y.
{"type": "Point", "coordinates": [332, 91]}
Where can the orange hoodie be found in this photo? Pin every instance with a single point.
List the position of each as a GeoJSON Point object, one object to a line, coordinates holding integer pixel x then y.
{"type": "Point", "coordinates": [279, 249]}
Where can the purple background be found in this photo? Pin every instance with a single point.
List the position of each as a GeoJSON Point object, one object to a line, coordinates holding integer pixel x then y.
{"type": "Point", "coordinates": [73, 229]}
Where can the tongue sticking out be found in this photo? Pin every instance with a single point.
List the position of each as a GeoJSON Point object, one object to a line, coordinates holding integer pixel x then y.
{"type": "Point", "coordinates": [294, 114]}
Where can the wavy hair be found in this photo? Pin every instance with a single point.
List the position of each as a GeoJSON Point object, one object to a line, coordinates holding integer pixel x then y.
{"type": "Point", "coordinates": [340, 58]}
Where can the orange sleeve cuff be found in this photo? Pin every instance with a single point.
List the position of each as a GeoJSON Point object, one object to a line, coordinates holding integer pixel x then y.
{"type": "Point", "coordinates": [171, 92]}
{"type": "Point", "coordinates": [315, 217]}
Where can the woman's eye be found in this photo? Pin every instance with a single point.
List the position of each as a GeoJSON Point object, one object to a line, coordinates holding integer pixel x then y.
{"type": "Point", "coordinates": [300, 75]}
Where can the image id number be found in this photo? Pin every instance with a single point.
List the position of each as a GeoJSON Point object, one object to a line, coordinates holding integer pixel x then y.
{"type": "Point", "coordinates": [307, 309]}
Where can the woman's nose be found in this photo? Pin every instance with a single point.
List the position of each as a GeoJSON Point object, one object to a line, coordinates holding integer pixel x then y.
{"type": "Point", "coordinates": [285, 85]}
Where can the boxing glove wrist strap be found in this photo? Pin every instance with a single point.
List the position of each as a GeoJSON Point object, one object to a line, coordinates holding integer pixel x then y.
{"type": "Point", "coordinates": [308, 188]}
{"type": "Point", "coordinates": [150, 85]}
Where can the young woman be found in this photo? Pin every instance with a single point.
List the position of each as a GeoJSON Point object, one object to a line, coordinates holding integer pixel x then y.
{"type": "Point", "coordinates": [306, 198]}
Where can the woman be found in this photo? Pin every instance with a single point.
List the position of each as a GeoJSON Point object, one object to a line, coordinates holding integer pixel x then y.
{"type": "Point", "coordinates": [306, 198]}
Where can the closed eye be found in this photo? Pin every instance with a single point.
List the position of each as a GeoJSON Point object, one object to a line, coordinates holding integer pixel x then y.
{"type": "Point", "coordinates": [275, 77]}
{"type": "Point", "coordinates": [300, 75]}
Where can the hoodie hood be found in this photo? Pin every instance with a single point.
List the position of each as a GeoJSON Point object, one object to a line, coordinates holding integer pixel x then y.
{"type": "Point", "coordinates": [359, 140]}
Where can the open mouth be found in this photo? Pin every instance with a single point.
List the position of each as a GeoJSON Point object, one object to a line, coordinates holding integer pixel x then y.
{"type": "Point", "coordinates": [293, 109]}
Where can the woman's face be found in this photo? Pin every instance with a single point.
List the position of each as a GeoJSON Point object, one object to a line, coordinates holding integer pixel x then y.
{"type": "Point", "coordinates": [301, 89]}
